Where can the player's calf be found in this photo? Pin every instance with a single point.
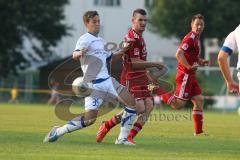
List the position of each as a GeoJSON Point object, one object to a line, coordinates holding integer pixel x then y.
{"type": "Point", "coordinates": [126, 123]}
{"type": "Point", "coordinates": [197, 114]}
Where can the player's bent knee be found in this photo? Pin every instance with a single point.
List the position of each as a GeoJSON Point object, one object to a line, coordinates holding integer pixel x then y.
{"type": "Point", "coordinates": [199, 101]}
{"type": "Point", "coordinates": [178, 104]}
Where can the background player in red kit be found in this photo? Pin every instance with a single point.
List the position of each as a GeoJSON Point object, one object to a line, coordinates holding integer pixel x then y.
{"type": "Point", "coordinates": [187, 86]}
{"type": "Point", "coordinates": [135, 76]}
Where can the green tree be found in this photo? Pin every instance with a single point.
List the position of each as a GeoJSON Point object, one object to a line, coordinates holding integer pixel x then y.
{"type": "Point", "coordinates": [172, 17]}
{"type": "Point", "coordinates": [36, 22]}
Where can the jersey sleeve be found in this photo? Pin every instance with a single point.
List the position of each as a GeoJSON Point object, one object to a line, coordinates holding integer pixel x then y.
{"type": "Point", "coordinates": [81, 43]}
{"type": "Point", "coordinates": [186, 44]}
{"type": "Point", "coordinates": [229, 44]}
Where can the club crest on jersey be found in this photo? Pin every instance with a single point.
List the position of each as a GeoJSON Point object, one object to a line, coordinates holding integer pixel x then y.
{"type": "Point", "coordinates": [185, 94]}
{"type": "Point", "coordinates": [136, 51]}
{"type": "Point", "coordinates": [185, 46]}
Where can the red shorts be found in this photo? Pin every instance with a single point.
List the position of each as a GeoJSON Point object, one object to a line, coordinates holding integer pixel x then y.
{"type": "Point", "coordinates": [187, 86]}
{"type": "Point", "coordinates": [137, 84]}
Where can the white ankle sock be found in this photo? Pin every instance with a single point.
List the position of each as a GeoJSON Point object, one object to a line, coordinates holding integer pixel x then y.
{"type": "Point", "coordinates": [71, 126]}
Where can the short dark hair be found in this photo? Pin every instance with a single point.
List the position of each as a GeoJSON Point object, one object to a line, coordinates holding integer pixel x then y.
{"type": "Point", "coordinates": [197, 16]}
{"type": "Point", "coordinates": [140, 11]}
{"type": "Point", "coordinates": [88, 15]}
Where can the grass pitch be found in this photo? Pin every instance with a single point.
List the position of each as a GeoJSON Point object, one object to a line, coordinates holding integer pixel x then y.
{"type": "Point", "coordinates": [168, 135]}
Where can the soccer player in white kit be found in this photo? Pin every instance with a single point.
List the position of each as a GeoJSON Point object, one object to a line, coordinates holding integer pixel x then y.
{"type": "Point", "coordinates": [93, 57]}
{"type": "Point", "coordinates": [231, 45]}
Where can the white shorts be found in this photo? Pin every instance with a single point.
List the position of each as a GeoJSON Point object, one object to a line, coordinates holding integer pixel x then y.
{"type": "Point", "coordinates": [107, 90]}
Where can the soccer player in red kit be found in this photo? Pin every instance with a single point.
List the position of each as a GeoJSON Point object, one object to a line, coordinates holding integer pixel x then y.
{"type": "Point", "coordinates": [135, 77]}
{"type": "Point", "coordinates": [187, 86]}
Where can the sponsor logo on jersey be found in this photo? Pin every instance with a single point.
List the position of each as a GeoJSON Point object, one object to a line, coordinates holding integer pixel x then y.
{"type": "Point", "coordinates": [136, 51]}
{"type": "Point", "coordinates": [185, 46]}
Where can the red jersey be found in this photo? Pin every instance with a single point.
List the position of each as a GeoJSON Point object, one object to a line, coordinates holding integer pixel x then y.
{"type": "Point", "coordinates": [191, 47]}
{"type": "Point", "coordinates": [138, 51]}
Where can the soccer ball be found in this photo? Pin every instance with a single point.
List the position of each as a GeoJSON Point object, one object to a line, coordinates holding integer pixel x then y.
{"type": "Point", "coordinates": [81, 88]}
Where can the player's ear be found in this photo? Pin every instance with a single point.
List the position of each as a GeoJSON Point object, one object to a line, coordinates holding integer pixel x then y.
{"type": "Point", "coordinates": [86, 22]}
{"type": "Point", "coordinates": [133, 19]}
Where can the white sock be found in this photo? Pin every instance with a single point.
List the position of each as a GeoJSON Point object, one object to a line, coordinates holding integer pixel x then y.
{"type": "Point", "coordinates": [127, 120]}
{"type": "Point", "coordinates": [71, 126]}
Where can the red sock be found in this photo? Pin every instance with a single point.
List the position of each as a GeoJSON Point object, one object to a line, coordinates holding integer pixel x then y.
{"type": "Point", "coordinates": [197, 120]}
{"type": "Point", "coordinates": [134, 131]}
{"type": "Point", "coordinates": [112, 122]}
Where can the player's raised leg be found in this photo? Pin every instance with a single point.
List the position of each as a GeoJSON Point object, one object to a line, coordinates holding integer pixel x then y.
{"type": "Point", "coordinates": [128, 117]}
{"type": "Point", "coordinates": [73, 125]}
{"type": "Point", "coordinates": [84, 120]}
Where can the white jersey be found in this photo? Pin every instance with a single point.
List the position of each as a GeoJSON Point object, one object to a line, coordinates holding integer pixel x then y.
{"type": "Point", "coordinates": [232, 44]}
{"type": "Point", "coordinates": [94, 63]}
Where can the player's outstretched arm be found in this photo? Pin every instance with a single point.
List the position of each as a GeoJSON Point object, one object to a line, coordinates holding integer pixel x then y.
{"type": "Point", "coordinates": [138, 64]}
{"type": "Point", "coordinates": [117, 56]}
{"type": "Point", "coordinates": [203, 62]}
{"type": "Point", "coordinates": [224, 67]}
{"type": "Point", "coordinates": [127, 45]}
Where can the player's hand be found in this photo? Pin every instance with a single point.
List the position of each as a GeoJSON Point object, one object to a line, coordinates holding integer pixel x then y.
{"type": "Point", "coordinates": [78, 54]}
{"type": "Point", "coordinates": [128, 44]}
{"type": "Point", "coordinates": [206, 62]}
{"type": "Point", "coordinates": [233, 87]}
{"type": "Point", "coordinates": [194, 67]}
{"type": "Point", "coordinates": [203, 62]}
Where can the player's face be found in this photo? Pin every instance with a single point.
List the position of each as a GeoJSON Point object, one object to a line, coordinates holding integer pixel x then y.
{"type": "Point", "coordinates": [139, 22]}
{"type": "Point", "coordinates": [197, 26]}
{"type": "Point", "coordinates": [93, 26]}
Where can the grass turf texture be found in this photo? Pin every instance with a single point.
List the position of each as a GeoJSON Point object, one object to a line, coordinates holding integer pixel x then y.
{"type": "Point", "coordinates": [23, 127]}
